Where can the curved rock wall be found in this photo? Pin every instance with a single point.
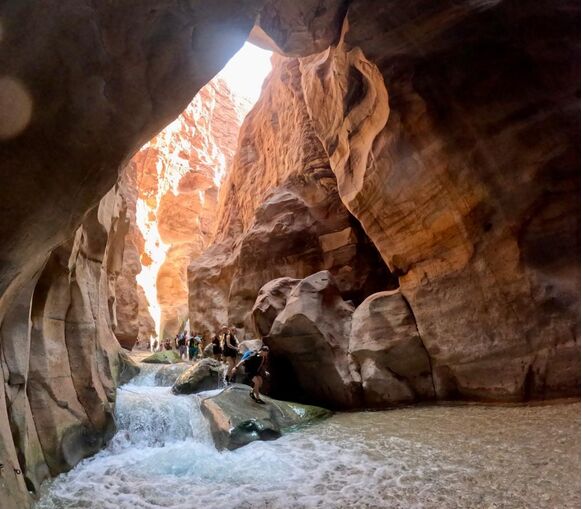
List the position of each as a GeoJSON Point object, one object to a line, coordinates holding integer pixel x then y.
{"type": "Point", "coordinates": [466, 179]}
{"type": "Point", "coordinates": [279, 215]}
{"type": "Point", "coordinates": [59, 357]}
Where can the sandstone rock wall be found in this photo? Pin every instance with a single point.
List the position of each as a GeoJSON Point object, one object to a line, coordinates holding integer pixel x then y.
{"type": "Point", "coordinates": [177, 176]}
{"type": "Point", "coordinates": [59, 357]}
{"type": "Point", "coordinates": [457, 149]}
{"type": "Point", "coordinates": [279, 215]}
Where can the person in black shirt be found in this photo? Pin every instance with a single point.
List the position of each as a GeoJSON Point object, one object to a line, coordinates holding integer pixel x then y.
{"type": "Point", "coordinates": [255, 369]}
{"type": "Point", "coordinates": [216, 348]}
{"type": "Point", "coordinates": [229, 350]}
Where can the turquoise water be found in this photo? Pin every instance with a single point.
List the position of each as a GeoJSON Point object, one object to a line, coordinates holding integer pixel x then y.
{"type": "Point", "coordinates": [424, 457]}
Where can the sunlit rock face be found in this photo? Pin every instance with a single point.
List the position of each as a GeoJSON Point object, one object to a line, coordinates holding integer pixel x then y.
{"type": "Point", "coordinates": [177, 177]}
{"type": "Point", "coordinates": [133, 317]}
{"type": "Point", "coordinates": [279, 215]}
{"type": "Point", "coordinates": [453, 133]}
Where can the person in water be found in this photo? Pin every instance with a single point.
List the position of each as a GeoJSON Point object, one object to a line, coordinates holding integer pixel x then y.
{"type": "Point", "coordinates": [255, 367]}
{"type": "Point", "coordinates": [229, 350]}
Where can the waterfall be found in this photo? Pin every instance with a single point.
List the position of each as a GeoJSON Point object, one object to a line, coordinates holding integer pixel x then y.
{"type": "Point", "coordinates": [162, 456]}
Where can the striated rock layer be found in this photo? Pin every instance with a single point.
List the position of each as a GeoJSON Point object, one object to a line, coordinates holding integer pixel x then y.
{"type": "Point", "coordinates": [279, 215]}
{"type": "Point", "coordinates": [177, 176]}
{"type": "Point", "coordinates": [457, 148]}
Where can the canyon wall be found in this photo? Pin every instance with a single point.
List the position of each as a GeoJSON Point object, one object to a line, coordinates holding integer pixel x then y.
{"type": "Point", "coordinates": [279, 215]}
{"type": "Point", "coordinates": [175, 177]}
{"type": "Point", "coordinates": [454, 138]}
{"type": "Point", "coordinates": [461, 164]}
{"type": "Point", "coordinates": [60, 360]}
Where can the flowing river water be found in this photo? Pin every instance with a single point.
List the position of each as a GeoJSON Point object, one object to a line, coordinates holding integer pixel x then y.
{"type": "Point", "coordinates": [423, 457]}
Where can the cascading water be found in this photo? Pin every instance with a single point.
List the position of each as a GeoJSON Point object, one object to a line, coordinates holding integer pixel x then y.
{"type": "Point", "coordinates": [434, 457]}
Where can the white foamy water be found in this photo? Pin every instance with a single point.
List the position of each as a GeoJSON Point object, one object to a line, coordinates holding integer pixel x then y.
{"type": "Point", "coordinates": [437, 457]}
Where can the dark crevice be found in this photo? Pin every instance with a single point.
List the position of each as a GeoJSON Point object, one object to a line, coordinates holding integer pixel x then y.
{"type": "Point", "coordinates": [423, 345]}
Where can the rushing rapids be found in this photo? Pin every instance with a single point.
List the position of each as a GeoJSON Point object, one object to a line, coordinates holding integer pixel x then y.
{"type": "Point", "coordinates": [432, 457]}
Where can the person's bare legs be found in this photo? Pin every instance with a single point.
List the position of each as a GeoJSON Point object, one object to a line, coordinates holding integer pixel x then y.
{"type": "Point", "coordinates": [257, 382]}
{"type": "Point", "coordinates": [230, 362]}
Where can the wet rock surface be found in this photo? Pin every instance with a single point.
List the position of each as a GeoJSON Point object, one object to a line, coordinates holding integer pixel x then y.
{"type": "Point", "coordinates": [164, 357]}
{"type": "Point", "coordinates": [236, 420]}
{"type": "Point", "coordinates": [204, 375]}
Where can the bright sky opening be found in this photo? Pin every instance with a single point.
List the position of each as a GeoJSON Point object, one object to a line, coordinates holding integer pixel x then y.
{"type": "Point", "coordinates": [246, 71]}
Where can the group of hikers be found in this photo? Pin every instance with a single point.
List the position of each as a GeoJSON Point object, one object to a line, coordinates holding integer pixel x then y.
{"type": "Point", "coordinates": [224, 346]}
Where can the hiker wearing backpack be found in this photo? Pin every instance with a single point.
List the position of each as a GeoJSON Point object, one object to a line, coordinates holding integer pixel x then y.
{"type": "Point", "coordinates": [255, 366]}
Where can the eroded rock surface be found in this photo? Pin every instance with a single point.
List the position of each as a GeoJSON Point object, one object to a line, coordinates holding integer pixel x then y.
{"type": "Point", "coordinates": [236, 420]}
{"type": "Point", "coordinates": [393, 363]}
{"type": "Point", "coordinates": [279, 215]}
{"type": "Point", "coordinates": [457, 149]}
{"type": "Point", "coordinates": [204, 375]}
{"type": "Point", "coordinates": [60, 358]}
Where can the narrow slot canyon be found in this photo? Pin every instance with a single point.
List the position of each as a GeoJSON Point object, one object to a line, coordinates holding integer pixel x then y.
{"type": "Point", "coordinates": [379, 202]}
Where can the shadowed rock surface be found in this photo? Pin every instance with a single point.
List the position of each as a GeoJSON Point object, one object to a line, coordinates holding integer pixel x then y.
{"type": "Point", "coordinates": [394, 365]}
{"type": "Point", "coordinates": [204, 375]}
{"type": "Point", "coordinates": [236, 420]}
{"type": "Point", "coordinates": [457, 148]}
{"type": "Point", "coordinates": [164, 357]}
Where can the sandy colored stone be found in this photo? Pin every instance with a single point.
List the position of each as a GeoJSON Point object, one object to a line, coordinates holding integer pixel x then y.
{"type": "Point", "coordinates": [279, 200]}
{"type": "Point", "coordinates": [464, 173]}
{"type": "Point", "coordinates": [393, 362]}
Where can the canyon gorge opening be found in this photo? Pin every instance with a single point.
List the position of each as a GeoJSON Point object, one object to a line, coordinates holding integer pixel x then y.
{"type": "Point", "coordinates": [399, 222]}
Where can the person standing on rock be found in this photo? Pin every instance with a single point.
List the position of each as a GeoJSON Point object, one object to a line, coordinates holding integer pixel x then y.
{"type": "Point", "coordinates": [229, 351]}
{"type": "Point", "coordinates": [193, 346]}
{"type": "Point", "coordinates": [216, 348]}
{"type": "Point", "coordinates": [182, 346]}
{"type": "Point", "coordinates": [255, 367]}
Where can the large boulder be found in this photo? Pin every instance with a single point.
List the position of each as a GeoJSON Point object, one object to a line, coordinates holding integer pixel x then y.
{"type": "Point", "coordinates": [312, 335]}
{"type": "Point", "coordinates": [393, 362]}
{"type": "Point", "coordinates": [164, 357]}
{"type": "Point", "coordinates": [205, 375]}
{"type": "Point", "coordinates": [270, 302]}
{"type": "Point", "coordinates": [167, 375]}
{"type": "Point", "coordinates": [236, 420]}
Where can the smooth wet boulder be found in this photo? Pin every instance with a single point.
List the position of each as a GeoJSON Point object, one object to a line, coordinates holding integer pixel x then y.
{"type": "Point", "coordinates": [205, 375]}
{"type": "Point", "coordinates": [166, 376]}
{"type": "Point", "coordinates": [312, 335]}
{"type": "Point", "coordinates": [165, 357]}
{"type": "Point", "coordinates": [236, 420]}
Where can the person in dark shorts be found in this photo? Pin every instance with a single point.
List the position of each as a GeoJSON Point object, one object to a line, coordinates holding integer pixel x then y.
{"type": "Point", "coordinates": [229, 350]}
{"type": "Point", "coordinates": [255, 366]}
{"type": "Point", "coordinates": [216, 348]}
{"type": "Point", "coordinates": [182, 345]}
